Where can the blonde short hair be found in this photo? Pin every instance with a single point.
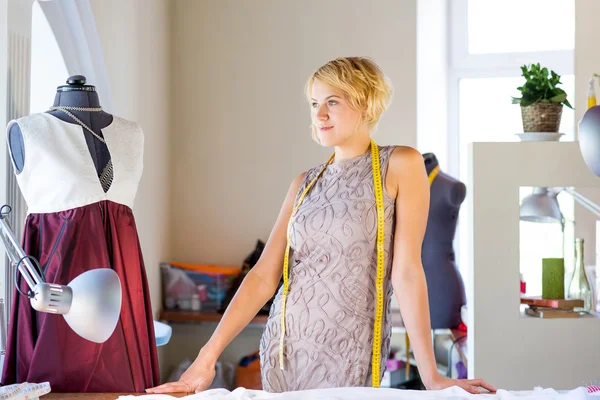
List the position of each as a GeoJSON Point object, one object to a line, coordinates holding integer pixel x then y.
{"type": "Point", "coordinates": [364, 83]}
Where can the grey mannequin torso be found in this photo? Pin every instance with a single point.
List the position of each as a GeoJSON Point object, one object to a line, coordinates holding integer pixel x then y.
{"type": "Point", "coordinates": [74, 95]}
{"type": "Point", "coordinates": [444, 282]}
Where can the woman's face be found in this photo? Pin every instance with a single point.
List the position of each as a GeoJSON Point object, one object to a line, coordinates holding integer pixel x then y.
{"type": "Point", "coordinates": [335, 121]}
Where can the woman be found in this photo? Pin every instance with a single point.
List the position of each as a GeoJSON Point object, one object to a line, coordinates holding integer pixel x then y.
{"type": "Point", "coordinates": [330, 303]}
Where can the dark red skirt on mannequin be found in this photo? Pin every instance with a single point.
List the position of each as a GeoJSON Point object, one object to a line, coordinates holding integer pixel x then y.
{"type": "Point", "coordinates": [41, 347]}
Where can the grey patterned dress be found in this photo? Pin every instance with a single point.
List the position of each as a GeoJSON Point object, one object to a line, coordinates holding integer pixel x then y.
{"type": "Point", "coordinates": [333, 266]}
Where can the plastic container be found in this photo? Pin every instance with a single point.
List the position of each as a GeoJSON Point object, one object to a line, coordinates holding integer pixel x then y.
{"type": "Point", "coordinates": [184, 283]}
{"type": "Point", "coordinates": [196, 304]}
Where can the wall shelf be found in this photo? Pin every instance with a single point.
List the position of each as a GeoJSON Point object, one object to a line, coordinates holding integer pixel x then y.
{"type": "Point", "coordinates": [504, 347]}
{"type": "Point", "coordinates": [180, 316]}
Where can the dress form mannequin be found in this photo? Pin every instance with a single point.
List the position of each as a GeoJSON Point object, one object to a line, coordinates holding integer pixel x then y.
{"type": "Point", "coordinates": [75, 94]}
{"type": "Point", "coordinates": [75, 224]}
{"type": "Point", "coordinates": [444, 282]}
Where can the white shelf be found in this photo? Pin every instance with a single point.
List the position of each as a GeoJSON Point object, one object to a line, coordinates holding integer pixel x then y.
{"type": "Point", "coordinates": [512, 351]}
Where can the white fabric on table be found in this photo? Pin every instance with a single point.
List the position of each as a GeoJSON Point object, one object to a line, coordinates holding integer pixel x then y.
{"type": "Point", "coordinates": [366, 393]}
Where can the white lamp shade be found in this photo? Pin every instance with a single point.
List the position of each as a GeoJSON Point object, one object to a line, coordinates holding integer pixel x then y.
{"type": "Point", "coordinates": [96, 304]}
{"type": "Point", "coordinates": [540, 206]}
{"type": "Point", "coordinates": [589, 139]}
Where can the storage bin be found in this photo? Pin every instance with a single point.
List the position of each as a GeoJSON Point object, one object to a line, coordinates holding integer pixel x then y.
{"type": "Point", "coordinates": [181, 281]}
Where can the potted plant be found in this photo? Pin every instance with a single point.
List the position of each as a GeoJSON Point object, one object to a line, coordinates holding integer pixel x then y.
{"type": "Point", "coordinates": [541, 100]}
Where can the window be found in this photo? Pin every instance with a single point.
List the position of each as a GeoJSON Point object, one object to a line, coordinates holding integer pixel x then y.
{"type": "Point", "coordinates": [508, 27]}
{"type": "Point", "coordinates": [25, 93]}
{"type": "Point", "coordinates": [487, 115]}
{"type": "Point", "coordinates": [489, 42]}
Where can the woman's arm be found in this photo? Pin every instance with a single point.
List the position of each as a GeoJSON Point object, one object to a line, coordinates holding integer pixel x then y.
{"type": "Point", "coordinates": [407, 177]}
{"type": "Point", "coordinates": [256, 289]}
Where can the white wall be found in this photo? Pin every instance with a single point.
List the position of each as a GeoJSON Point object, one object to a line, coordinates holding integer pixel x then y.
{"type": "Point", "coordinates": [508, 350]}
{"type": "Point", "coordinates": [135, 41]}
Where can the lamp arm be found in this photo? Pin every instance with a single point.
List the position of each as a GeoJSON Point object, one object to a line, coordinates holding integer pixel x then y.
{"type": "Point", "coordinates": [16, 254]}
{"type": "Point", "coordinates": [90, 303]}
{"type": "Point", "coordinates": [584, 201]}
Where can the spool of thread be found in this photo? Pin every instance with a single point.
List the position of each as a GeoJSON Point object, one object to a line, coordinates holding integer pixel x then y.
{"type": "Point", "coordinates": [553, 278]}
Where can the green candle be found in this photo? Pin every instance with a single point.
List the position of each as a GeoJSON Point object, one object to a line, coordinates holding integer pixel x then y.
{"type": "Point", "coordinates": [553, 278]}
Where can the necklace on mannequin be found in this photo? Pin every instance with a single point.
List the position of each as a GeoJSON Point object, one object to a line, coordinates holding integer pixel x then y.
{"type": "Point", "coordinates": [66, 109]}
{"type": "Point", "coordinates": [106, 176]}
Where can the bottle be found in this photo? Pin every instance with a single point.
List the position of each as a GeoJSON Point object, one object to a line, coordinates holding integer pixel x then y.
{"type": "Point", "coordinates": [591, 92]}
{"type": "Point", "coordinates": [170, 303]}
{"type": "Point", "coordinates": [196, 305]}
{"type": "Point", "coordinates": [202, 292]}
{"type": "Point", "coordinates": [579, 288]}
{"type": "Point", "coordinates": [184, 302]}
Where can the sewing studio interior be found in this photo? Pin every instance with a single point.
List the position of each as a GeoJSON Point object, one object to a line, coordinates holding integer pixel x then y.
{"type": "Point", "coordinates": [279, 199]}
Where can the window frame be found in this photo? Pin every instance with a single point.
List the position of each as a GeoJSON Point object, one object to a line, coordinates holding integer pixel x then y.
{"type": "Point", "coordinates": [462, 65]}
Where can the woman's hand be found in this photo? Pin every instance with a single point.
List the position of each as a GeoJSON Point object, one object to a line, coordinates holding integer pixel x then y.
{"type": "Point", "coordinates": [195, 379]}
{"type": "Point", "coordinates": [474, 386]}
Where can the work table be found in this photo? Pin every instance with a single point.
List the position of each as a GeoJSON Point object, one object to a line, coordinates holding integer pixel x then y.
{"type": "Point", "coordinates": [94, 396]}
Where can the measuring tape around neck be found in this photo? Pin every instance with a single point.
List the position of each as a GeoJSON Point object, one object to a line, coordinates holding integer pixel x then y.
{"type": "Point", "coordinates": [378, 189]}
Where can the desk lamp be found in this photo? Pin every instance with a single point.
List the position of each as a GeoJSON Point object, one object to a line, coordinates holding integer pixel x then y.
{"type": "Point", "coordinates": [589, 139]}
{"type": "Point", "coordinates": [90, 303]}
{"type": "Point", "coordinates": [542, 205]}
{"type": "Point", "coordinates": [589, 145]}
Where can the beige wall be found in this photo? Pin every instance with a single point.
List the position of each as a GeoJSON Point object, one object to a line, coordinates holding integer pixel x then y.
{"type": "Point", "coordinates": [218, 88]}
{"type": "Point", "coordinates": [242, 123]}
{"type": "Point", "coordinates": [139, 70]}
{"type": "Point", "coordinates": [241, 120]}
{"type": "Point", "coordinates": [219, 93]}
{"type": "Point", "coordinates": [135, 41]}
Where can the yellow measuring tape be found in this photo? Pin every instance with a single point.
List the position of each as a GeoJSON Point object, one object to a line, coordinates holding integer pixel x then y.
{"type": "Point", "coordinates": [378, 188]}
{"type": "Point", "coordinates": [434, 172]}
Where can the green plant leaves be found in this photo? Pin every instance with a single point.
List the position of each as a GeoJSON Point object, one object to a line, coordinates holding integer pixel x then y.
{"type": "Point", "coordinates": [559, 98]}
{"type": "Point", "coordinates": [540, 87]}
